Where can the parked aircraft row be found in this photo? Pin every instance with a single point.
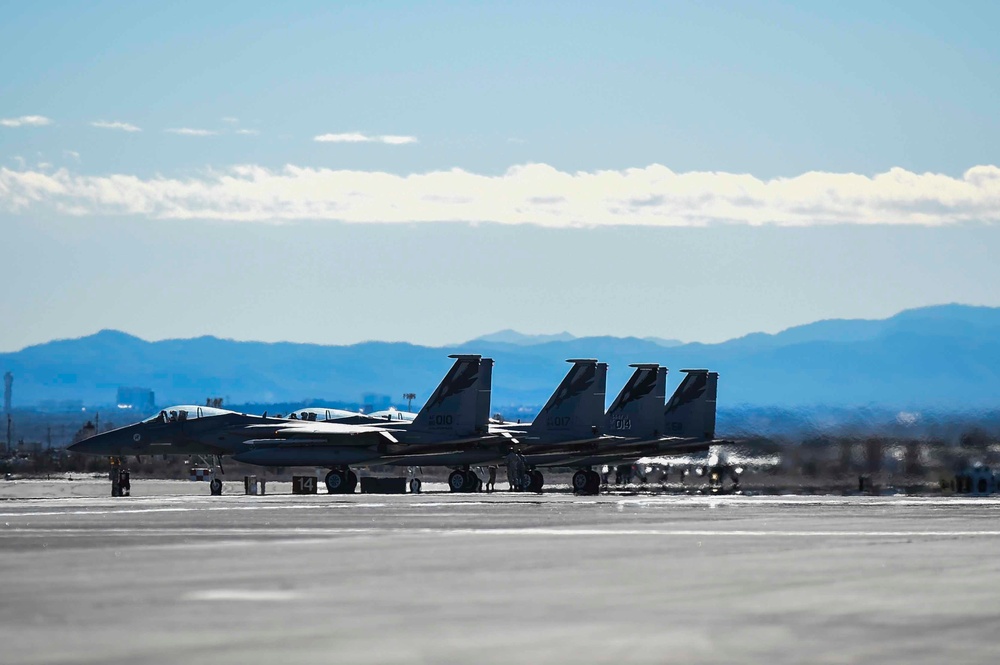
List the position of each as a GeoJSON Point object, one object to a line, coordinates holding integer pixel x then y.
{"type": "Point", "coordinates": [453, 429]}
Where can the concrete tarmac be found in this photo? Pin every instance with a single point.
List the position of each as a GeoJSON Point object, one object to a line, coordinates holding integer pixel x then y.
{"type": "Point", "coordinates": [164, 577]}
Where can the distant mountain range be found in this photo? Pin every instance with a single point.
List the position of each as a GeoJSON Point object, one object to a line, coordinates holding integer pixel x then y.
{"type": "Point", "coordinates": [509, 336]}
{"type": "Point", "coordinates": [944, 358]}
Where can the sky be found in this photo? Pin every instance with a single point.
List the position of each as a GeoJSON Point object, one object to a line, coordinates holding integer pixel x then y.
{"type": "Point", "coordinates": [430, 172]}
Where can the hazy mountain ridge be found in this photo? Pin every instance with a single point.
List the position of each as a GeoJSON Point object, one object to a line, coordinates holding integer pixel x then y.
{"type": "Point", "coordinates": [943, 357]}
{"type": "Point", "coordinates": [509, 336]}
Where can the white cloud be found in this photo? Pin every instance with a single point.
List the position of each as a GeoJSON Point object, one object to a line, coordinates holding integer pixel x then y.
{"type": "Point", "coordinates": [72, 154]}
{"type": "Point", "coordinates": [358, 137]}
{"type": "Point", "coordinates": [351, 137]}
{"type": "Point", "coordinates": [397, 140]}
{"type": "Point", "coordinates": [529, 194]}
{"type": "Point", "coordinates": [26, 121]}
{"type": "Point", "coordinates": [231, 120]}
{"type": "Point", "coordinates": [248, 132]}
{"type": "Point", "coordinates": [187, 131]}
{"type": "Point", "coordinates": [123, 126]}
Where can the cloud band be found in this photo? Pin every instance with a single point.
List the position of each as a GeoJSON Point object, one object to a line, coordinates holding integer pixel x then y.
{"type": "Point", "coordinates": [122, 126]}
{"type": "Point", "coordinates": [26, 121]}
{"type": "Point", "coordinates": [529, 194]}
{"type": "Point", "coordinates": [358, 137]}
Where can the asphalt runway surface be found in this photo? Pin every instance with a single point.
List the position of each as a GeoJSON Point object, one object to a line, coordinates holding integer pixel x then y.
{"type": "Point", "coordinates": [173, 575]}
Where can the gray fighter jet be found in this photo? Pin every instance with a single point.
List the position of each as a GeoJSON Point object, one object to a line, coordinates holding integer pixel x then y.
{"type": "Point", "coordinates": [688, 426]}
{"type": "Point", "coordinates": [573, 431]}
{"type": "Point", "coordinates": [457, 414]}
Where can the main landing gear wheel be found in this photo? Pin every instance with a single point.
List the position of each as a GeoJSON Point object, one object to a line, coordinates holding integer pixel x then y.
{"type": "Point", "coordinates": [535, 481]}
{"type": "Point", "coordinates": [215, 487]}
{"type": "Point", "coordinates": [464, 481]}
{"type": "Point", "coordinates": [586, 482]}
{"type": "Point", "coordinates": [415, 486]}
{"type": "Point", "coordinates": [339, 482]}
{"type": "Point", "coordinates": [457, 481]}
{"type": "Point", "coordinates": [352, 482]}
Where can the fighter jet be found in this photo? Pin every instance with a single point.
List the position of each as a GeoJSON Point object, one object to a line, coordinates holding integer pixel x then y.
{"type": "Point", "coordinates": [688, 420]}
{"type": "Point", "coordinates": [457, 413]}
{"type": "Point", "coordinates": [573, 431]}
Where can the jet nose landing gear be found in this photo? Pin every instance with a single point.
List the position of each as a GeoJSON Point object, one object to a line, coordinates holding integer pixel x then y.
{"type": "Point", "coordinates": [120, 485]}
{"type": "Point", "coordinates": [341, 480]}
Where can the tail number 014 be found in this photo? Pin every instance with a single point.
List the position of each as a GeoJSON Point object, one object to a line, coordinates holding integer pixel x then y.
{"type": "Point", "coordinates": [622, 423]}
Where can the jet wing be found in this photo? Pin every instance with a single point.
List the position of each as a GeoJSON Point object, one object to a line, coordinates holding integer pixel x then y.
{"type": "Point", "coordinates": [326, 432]}
{"type": "Point", "coordinates": [323, 427]}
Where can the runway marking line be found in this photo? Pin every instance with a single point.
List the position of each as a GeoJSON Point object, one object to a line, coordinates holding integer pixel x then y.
{"type": "Point", "coordinates": [179, 504]}
{"type": "Point", "coordinates": [242, 595]}
{"type": "Point", "coordinates": [500, 531]}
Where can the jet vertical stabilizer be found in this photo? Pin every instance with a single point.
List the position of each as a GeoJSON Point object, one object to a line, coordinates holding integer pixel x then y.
{"type": "Point", "coordinates": [576, 409]}
{"type": "Point", "coordinates": [637, 412]}
{"type": "Point", "coordinates": [455, 409]}
{"type": "Point", "coordinates": [690, 413]}
{"type": "Point", "coordinates": [485, 390]}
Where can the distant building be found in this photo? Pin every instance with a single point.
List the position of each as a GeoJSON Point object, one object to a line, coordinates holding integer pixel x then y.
{"type": "Point", "coordinates": [8, 391]}
{"type": "Point", "coordinates": [29, 446]}
{"type": "Point", "coordinates": [140, 399]}
{"type": "Point", "coordinates": [374, 402]}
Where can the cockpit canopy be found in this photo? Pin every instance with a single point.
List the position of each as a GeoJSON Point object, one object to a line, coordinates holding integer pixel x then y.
{"type": "Point", "coordinates": [393, 414]}
{"type": "Point", "coordinates": [185, 412]}
{"type": "Point", "coordinates": [315, 413]}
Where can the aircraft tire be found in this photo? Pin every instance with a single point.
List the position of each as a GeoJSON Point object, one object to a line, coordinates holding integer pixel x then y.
{"type": "Point", "coordinates": [215, 487]}
{"type": "Point", "coordinates": [593, 483]}
{"type": "Point", "coordinates": [457, 481]}
{"type": "Point", "coordinates": [581, 479]}
{"type": "Point", "coordinates": [535, 481]}
{"type": "Point", "coordinates": [352, 482]}
{"type": "Point", "coordinates": [415, 486]}
{"type": "Point", "coordinates": [336, 482]}
{"type": "Point", "coordinates": [472, 482]}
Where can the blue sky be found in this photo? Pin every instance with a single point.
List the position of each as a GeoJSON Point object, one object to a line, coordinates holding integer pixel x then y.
{"type": "Point", "coordinates": [769, 163]}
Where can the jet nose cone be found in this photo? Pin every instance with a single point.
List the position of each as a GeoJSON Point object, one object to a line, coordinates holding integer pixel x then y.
{"type": "Point", "coordinates": [108, 443]}
{"type": "Point", "coordinates": [80, 447]}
